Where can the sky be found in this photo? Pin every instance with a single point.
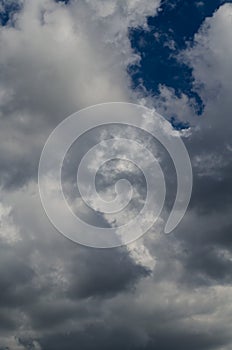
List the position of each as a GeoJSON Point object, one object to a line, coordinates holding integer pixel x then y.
{"type": "Point", "coordinates": [161, 291]}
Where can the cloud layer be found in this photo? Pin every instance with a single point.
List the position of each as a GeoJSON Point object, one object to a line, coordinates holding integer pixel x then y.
{"type": "Point", "coordinates": [164, 292]}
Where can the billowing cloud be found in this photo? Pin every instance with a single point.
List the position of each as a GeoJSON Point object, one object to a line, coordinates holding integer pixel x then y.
{"type": "Point", "coordinates": [161, 292]}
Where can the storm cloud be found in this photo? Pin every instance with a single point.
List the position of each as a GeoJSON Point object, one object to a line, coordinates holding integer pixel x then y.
{"type": "Point", "coordinates": [162, 291]}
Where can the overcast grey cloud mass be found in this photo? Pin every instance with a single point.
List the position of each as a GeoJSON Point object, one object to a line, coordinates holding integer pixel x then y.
{"type": "Point", "coordinates": [162, 292]}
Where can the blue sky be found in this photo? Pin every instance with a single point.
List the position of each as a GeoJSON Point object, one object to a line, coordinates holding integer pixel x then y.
{"type": "Point", "coordinates": [170, 32]}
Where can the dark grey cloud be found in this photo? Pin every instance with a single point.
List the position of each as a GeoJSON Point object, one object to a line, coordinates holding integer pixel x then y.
{"type": "Point", "coordinates": [106, 274]}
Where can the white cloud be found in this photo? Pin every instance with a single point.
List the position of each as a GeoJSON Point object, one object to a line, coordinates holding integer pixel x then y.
{"type": "Point", "coordinates": [211, 55]}
{"type": "Point", "coordinates": [59, 58]}
{"type": "Point", "coordinates": [56, 59]}
{"type": "Point", "coordinates": [9, 232]}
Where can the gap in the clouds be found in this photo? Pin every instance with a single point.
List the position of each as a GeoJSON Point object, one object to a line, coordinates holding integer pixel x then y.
{"type": "Point", "coordinates": [179, 125]}
{"type": "Point", "coordinates": [170, 31]}
{"type": "Point", "coordinates": [7, 10]}
{"type": "Point", "coordinates": [64, 1]}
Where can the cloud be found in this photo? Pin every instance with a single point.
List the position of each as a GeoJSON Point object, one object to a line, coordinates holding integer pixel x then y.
{"type": "Point", "coordinates": [162, 292]}
{"type": "Point", "coordinates": [56, 59]}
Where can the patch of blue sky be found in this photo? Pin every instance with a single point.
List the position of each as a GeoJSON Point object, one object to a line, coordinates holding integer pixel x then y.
{"type": "Point", "coordinates": [169, 33]}
{"type": "Point", "coordinates": [7, 10]}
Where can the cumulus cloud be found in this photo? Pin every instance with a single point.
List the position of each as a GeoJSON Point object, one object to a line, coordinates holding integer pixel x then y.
{"type": "Point", "coordinates": [161, 292]}
{"type": "Point", "coordinates": [56, 59]}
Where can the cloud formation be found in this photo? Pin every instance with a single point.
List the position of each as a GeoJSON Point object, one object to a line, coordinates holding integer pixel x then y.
{"type": "Point", "coordinates": [164, 292]}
